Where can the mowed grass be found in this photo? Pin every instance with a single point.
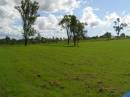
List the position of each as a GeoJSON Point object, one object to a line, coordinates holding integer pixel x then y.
{"type": "Point", "coordinates": [95, 69]}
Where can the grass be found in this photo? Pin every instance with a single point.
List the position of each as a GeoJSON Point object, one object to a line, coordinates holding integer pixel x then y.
{"type": "Point", "coordinates": [95, 69]}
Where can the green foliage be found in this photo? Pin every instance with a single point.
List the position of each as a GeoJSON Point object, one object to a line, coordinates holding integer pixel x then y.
{"type": "Point", "coordinates": [65, 23]}
{"type": "Point", "coordinates": [77, 29]}
{"type": "Point", "coordinates": [80, 30]}
{"type": "Point", "coordinates": [107, 35]}
{"type": "Point", "coordinates": [122, 35]}
{"type": "Point", "coordinates": [7, 38]}
{"type": "Point", "coordinates": [74, 28]}
{"type": "Point", "coordinates": [28, 10]}
{"type": "Point", "coordinates": [119, 26]}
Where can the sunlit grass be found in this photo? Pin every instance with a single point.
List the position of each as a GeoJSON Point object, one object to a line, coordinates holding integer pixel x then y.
{"type": "Point", "coordinates": [95, 69]}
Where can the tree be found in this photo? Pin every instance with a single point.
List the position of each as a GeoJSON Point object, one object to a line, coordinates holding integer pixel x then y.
{"type": "Point", "coordinates": [84, 35]}
{"type": "Point", "coordinates": [65, 23]}
{"type": "Point", "coordinates": [119, 26]}
{"type": "Point", "coordinates": [107, 35]}
{"type": "Point", "coordinates": [74, 28]}
{"type": "Point", "coordinates": [77, 28]}
{"type": "Point", "coordinates": [80, 31]}
{"type": "Point", "coordinates": [28, 10]}
{"type": "Point", "coordinates": [7, 38]}
{"type": "Point", "coordinates": [123, 35]}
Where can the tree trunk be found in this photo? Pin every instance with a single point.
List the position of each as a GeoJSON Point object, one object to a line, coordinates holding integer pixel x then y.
{"type": "Point", "coordinates": [78, 41]}
{"type": "Point", "coordinates": [26, 41]}
{"type": "Point", "coordinates": [118, 35]}
{"type": "Point", "coordinates": [68, 37]}
{"type": "Point", "coordinates": [74, 39]}
{"type": "Point", "coordinates": [68, 41]}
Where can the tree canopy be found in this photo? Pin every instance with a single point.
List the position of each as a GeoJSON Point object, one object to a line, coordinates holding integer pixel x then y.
{"type": "Point", "coordinates": [74, 28]}
{"type": "Point", "coordinates": [28, 10]}
{"type": "Point", "coordinates": [119, 26]}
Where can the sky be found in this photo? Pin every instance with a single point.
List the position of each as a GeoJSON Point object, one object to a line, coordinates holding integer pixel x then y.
{"type": "Point", "coordinates": [99, 14]}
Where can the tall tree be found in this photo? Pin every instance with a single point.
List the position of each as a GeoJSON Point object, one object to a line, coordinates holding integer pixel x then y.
{"type": "Point", "coordinates": [80, 31]}
{"type": "Point", "coordinates": [28, 10]}
{"type": "Point", "coordinates": [65, 23]}
{"type": "Point", "coordinates": [7, 38]}
{"type": "Point", "coordinates": [74, 28]}
{"type": "Point", "coordinates": [81, 27]}
{"type": "Point", "coordinates": [119, 26]}
{"type": "Point", "coordinates": [77, 28]}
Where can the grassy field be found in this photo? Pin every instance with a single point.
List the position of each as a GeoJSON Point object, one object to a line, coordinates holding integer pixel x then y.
{"type": "Point", "coordinates": [95, 69]}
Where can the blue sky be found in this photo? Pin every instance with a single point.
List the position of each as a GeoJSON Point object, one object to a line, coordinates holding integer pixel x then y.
{"type": "Point", "coordinates": [106, 6]}
{"type": "Point", "coordinates": [99, 14]}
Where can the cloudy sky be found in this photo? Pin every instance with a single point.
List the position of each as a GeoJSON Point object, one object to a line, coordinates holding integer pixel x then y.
{"type": "Point", "coordinates": [99, 14]}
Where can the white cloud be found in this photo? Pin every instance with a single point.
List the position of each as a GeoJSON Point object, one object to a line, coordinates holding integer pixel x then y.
{"type": "Point", "coordinates": [91, 18]}
{"type": "Point", "coordinates": [48, 26]}
{"type": "Point", "coordinates": [9, 15]}
{"type": "Point", "coordinates": [99, 26]}
{"type": "Point", "coordinates": [58, 5]}
{"type": "Point", "coordinates": [112, 16]}
{"type": "Point", "coordinates": [47, 23]}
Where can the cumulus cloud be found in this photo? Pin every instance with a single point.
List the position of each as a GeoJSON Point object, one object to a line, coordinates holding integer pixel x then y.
{"type": "Point", "coordinates": [48, 26]}
{"type": "Point", "coordinates": [47, 23]}
{"type": "Point", "coordinates": [58, 5]}
{"type": "Point", "coordinates": [91, 18]}
{"type": "Point", "coordinates": [99, 26]}
{"type": "Point", "coordinates": [112, 16]}
{"type": "Point", "coordinates": [9, 15]}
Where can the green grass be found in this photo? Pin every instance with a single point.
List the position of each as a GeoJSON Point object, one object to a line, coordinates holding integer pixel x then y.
{"type": "Point", "coordinates": [95, 69]}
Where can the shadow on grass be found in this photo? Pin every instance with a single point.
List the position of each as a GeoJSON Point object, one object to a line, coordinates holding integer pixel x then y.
{"type": "Point", "coordinates": [70, 46]}
{"type": "Point", "coordinates": [59, 45]}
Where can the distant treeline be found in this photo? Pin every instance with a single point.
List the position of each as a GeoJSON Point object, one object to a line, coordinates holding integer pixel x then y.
{"type": "Point", "coordinates": [39, 39]}
{"type": "Point", "coordinates": [36, 40]}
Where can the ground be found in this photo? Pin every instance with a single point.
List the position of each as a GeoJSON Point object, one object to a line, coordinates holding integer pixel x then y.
{"type": "Point", "coordinates": [94, 69]}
